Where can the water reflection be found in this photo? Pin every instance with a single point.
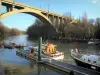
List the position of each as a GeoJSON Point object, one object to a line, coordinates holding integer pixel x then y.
{"type": "Point", "coordinates": [9, 57]}
{"type": "Point", "coordinates": [38, 69]}
{"type": "Point", "coordinates": [32, 64]}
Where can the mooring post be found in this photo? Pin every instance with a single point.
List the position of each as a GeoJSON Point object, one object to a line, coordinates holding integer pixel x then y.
{"type": "Point", "coordinates": [71, 72]}
{"type": "Point", "coordinates": [40, 49]}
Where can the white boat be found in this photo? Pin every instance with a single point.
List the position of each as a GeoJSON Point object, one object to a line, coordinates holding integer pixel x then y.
{"type": "Point", "coordinates": [94, 42]}
{"type": "Point", "coordinates": [57, 55]}
{"type": "Point", "coordinates": [88, 61]}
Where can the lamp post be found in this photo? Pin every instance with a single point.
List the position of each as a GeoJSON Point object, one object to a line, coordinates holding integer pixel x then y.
{"type": "Point", "coordinates": [48, 10]}
{"type": "Point", "coordinates": [13, 4]}
{"type": "Point", "coordinates": [40, 5]}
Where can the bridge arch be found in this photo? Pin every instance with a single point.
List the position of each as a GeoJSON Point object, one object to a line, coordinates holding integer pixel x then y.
{"type": "Point", "coordinates": [33, 12]}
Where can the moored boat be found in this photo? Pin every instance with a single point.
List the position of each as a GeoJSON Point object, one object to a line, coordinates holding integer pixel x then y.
{"type": "Point", "coordinates": [50, 51]}
{"type": "Point", "coordinates": [1, 46]}
{"type": "Point", "coordinates": [94, 42]}
{"type": "Point", "coordinates": [11, 45]}
{"type": "Point", "coordinates": [19, 46]}
{"type": "Point", "coordinates": [87, 61]}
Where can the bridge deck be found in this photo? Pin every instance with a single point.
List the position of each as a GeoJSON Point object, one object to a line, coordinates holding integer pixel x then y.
{"type": "Point", "coordinates": [20, 5]}
{"type": "Point", "coordinates": [65, 67]}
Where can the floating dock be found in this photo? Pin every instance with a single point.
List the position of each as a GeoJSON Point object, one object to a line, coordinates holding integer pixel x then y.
{"type": "Point", "coordinates": [25, 54]}
{"type": "Point", "coordinates": [65, 67]}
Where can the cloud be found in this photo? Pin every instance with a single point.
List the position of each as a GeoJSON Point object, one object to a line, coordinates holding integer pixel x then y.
{"type": "Point", "coordinates": [95, 1]}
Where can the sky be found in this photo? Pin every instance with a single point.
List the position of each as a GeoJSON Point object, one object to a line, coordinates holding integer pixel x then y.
{"type": "Point", "coordinates": [76, 7]}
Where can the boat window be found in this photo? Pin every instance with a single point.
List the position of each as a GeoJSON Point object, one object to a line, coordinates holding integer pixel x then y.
{"type": "Point", "coordinates": [42, 51]}
{"type": "Point", "coordinates": [49, 50]}
{"type": "Point", "coordinates": [94, 61]}
{"type": "Point", "coordinates": [89, 60]}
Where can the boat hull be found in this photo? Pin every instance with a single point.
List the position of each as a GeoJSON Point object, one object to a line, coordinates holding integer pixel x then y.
{"type": "Point", "coordinates": [86, 65]}
{"type": "Point", "coordinates": [93, 43]}
{"type": "Point", "coordinates": [57, 56]}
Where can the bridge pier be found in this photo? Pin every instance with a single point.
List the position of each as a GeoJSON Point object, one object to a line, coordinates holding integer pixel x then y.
{"type": "Point", "coordinates": [54, 20]}
{"type": "Point", "coordinates": [61, 21]}
{"type": "Point", "coordinates": [58, 21]}
{"type": "Point", "coordinates": [9, 8]}
{"type": "Point", "coordinates": [51, 17]}
{"type": "Point", "coordinates": [47, 14]}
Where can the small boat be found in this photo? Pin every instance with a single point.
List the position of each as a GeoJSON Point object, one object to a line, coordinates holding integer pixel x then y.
{"type": "Point", "coordinates": [1, 45]}
{"type": "Point", "coordinates": [8, 46]}
{"type": "Point", "coordinates": [94, 42]}
{"type": "Point", "coordinates": [50, 52]}
{"type": "Point", "coordinates": [13, 45]}
{"type": "Point", "coordinates": [19, 46]}
{"type": "Point", "coordinates": [87, 61]}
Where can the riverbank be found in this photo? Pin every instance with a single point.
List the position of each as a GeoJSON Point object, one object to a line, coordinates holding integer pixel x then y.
{"type": "Point", "coordinates": [62, 40]}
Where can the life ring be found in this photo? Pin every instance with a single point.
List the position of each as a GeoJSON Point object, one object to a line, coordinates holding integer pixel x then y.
{"type": "Point", "coordinates": [50, 50]}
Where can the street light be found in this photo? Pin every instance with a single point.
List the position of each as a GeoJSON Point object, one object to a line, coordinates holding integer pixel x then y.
{"type": "Point", "coordinates": [13, 4]}
{"type": "Point", "coordinates": [40, 5]}
{"type": "Point", "coordinates": [48, 9]}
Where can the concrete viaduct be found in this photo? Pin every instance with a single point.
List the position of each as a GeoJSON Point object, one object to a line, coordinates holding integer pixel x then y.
{"type": "Point", "coordinates": [44, 15]}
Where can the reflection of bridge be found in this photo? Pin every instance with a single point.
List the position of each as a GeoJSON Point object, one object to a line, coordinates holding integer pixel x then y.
{"type": "Point", "coordinates": [45, 16]}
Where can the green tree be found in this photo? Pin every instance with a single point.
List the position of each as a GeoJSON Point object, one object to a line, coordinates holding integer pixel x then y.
{"type": "Point", "coordinates": [15, 31]}
{"type": "Point", "coordinates": [41, 29]}
{"type": "Point", "coordinates": [97, 32]}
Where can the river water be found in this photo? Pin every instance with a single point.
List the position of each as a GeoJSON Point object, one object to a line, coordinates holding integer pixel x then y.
{"type": "Point", "coordinates": [8, 57]}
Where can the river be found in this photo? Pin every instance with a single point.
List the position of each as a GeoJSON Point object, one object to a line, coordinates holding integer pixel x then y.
{"type": "Point", "coordinates": [8, 57]}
